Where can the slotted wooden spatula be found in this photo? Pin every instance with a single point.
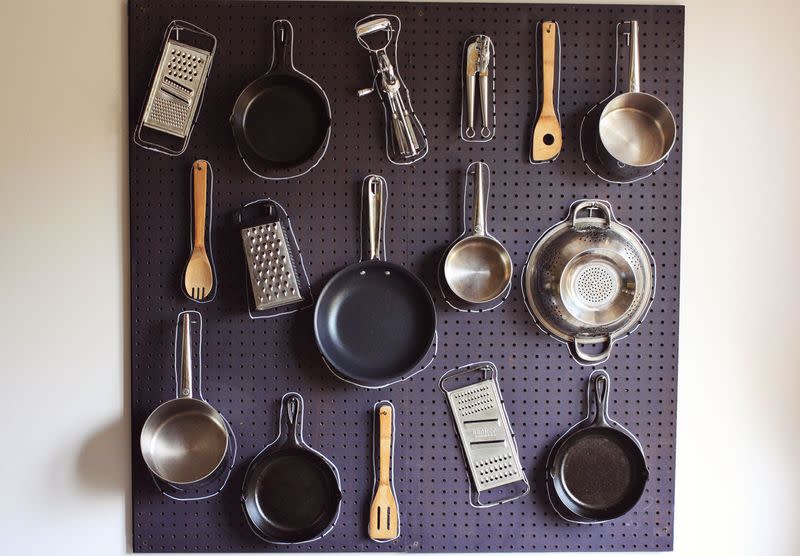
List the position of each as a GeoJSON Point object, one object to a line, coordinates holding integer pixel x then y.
{"type": "Point", "coordinates": [384, 519]}
{"type": "Point", "coordinates": [198, 277]}
{"type": "Point", "coordinates": [547, 131]}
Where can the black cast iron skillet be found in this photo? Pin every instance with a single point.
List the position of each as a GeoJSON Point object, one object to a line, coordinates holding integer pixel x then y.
{"type": "Point", "coordinates": [374, 321]}
{"type": "Point", "coordinates": [596, 471]}
{"type": "Point", "coordinates": [291, 493]}
{"type": "Point", "coordinates": [282, 119]}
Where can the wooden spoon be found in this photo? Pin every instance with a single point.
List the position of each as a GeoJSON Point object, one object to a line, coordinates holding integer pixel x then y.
{"type": "Point", "coordinates": [198, 278]}
{"type": "Point", "coordinates": [384, 520]}
{"type": "Point", "coordinates": [547, 131]}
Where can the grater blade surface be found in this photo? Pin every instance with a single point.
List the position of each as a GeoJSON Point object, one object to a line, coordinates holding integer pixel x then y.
{"type": "Point", "coordinates": [271, 266]}
{"type": "Point", "coordinates": [177, 88]}
{"type": "Point", "coordinates": [485, 435]}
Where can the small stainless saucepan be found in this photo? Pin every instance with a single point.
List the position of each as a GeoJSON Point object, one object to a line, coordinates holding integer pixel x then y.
{"type": "Point", "coordinates": [635, 128]}
{"type": "Point", "coordinates": [477, 268]}
{"type": "Point", "coordinates": [184, 440]}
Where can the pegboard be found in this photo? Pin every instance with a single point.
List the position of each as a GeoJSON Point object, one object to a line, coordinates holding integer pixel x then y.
{"type": "Point", "coordinates": [249, 365]}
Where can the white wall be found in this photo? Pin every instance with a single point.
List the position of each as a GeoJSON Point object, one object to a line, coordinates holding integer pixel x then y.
{"type": "Point", "coordinates": [63, 284]}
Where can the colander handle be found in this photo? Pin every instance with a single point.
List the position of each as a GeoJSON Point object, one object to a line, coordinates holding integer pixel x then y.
{"type": "Point", "coordinates": [591, 205]}
{"type": "Point", "coordinates": [591, 359]}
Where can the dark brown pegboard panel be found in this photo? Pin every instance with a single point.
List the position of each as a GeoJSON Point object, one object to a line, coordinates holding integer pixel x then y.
{"type": "Point", "coordinates": [249, 365]}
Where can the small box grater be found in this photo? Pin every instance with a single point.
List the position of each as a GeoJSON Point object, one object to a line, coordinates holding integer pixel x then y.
{"type": "Point", "coordinates": [177, 89]}
{"type": "Point", "coordinates": [484, 431]}
{"type": "Point", "coordinates": [270, 265]}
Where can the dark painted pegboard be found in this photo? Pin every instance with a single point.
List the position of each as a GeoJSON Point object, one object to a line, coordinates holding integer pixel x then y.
{"type": "Point", "coordinates": [248, 365]}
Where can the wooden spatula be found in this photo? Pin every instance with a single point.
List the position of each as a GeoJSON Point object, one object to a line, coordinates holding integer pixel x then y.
{"type": "Point", "coordinates": [198, 277]}
{"type": "Point", "coordinates": [547, 131]}
{"type": "Point", "coordinates": [384, 519]}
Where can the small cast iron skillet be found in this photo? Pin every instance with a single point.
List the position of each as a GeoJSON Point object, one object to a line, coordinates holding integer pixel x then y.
{"type": "Point", "coordinates": [597, 471]}
{"type": "Point", "coordinates": [282, 119]}
{"type": "Point", "coordinates": [291, 493]}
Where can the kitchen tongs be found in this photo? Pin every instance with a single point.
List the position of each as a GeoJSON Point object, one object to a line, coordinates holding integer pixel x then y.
{"type": "Point", "coordinates": [478, 56]}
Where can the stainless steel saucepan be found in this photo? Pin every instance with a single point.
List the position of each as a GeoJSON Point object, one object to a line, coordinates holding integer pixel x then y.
{"type": "Point", "coordinates": [589, 281]}
{"type": "Point", "coordinates": [635, 128]}
{"type": "Point", "coordinates": [185, 440]}
{"type": "Point", "coordinates": [477, 268]}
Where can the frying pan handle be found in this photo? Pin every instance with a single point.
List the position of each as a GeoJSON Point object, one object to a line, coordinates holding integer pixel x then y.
{"type": "Point", "coordinates": [591, 205]}
{"type": "Point", "coordinates": [292, 417]}
{"type": "Point", "coordinates": [600, 385]}
{"type": "Point", "coordinates": [373, 194]}
{"type": "Point", "coordinates": [590, 359]}
{"type": "Point", "coordinates": [633, 77]}
{"type": "Point", "coordinates": [479, 196]}
{"type": "Point", "coordinates": [282, 42]}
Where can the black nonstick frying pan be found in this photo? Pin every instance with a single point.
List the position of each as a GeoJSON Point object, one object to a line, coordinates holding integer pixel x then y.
{"type": "Point", "coordinates": [596, 471]}
{"type": "Point", "coordinates": [374, 321]}
{"type": "Point", "coordinates": [291, 493]}
{"type": "Point", "coordinates": [281, 121]}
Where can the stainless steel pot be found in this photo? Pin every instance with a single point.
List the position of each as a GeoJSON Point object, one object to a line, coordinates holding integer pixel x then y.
{"type": "Point", "coordinates": [589, 281]}
{"type": "Point", "coordinates": [184, 441]}
{"type": "Point", "coordinates": [635, 128]}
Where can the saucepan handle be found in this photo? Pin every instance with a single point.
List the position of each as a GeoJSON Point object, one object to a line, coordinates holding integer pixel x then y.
{"type": "Point", "coordinates": [479, 196]}
{"type": "Point", "coordinates": [587, 358]}
{"type": "Point", "coordinates": [185, 385]}
{"type": "Point", "coordinates": [292, 417]}
{"type": "Point", "coordinates": [633, 76]}
{"type": "Point", "coordinates": [372, 199]}
{"type": "Point", "coordinates": [282, 41]}
{"type": "Point", "coordinates": [578, 220]}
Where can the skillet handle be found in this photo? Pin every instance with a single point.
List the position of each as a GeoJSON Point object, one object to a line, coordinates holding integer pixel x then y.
{"type": "Point", "coordinates": [282, 43]}
{"type": "Point", "coordinates": [600, 384]}
{"type": "Point", "coordinates": [373, 200]}
{"type": "Point", "coordinates": [292, 417]}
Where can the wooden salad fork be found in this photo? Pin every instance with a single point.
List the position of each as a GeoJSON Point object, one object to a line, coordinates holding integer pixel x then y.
{"type": "Point", "coordinates": [384, 520]}
{"type": "Point", "coordinates": [198, 280]}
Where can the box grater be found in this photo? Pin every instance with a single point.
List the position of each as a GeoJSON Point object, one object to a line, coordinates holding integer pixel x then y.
{"type": "Point", "coordinates": [177, 89]}
{"type": "Point", "coordinates": [270, 265]}
{"type": "Point", "coordinates": [485, 434]}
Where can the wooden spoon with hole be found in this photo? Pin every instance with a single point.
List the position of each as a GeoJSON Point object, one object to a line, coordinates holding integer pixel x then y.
{"type": "Point", "coordinates": [547, 131]}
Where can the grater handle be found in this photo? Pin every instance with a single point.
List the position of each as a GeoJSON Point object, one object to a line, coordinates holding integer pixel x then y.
{"type": "Point", "coordinates": [385, 418]}
{"type": "Point", "coordinates": [199, 194]}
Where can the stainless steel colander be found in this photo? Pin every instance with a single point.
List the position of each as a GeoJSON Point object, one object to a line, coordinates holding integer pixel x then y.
{"type": "Point", "coordinates": [589, 281]}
